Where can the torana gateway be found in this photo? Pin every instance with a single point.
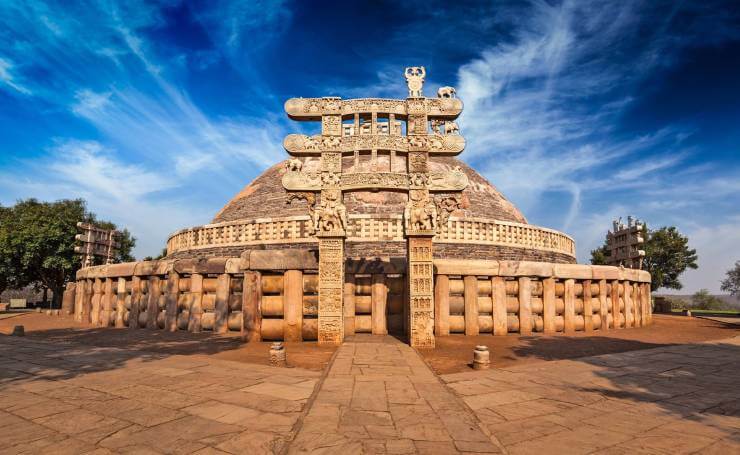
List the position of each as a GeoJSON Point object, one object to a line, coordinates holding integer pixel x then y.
{"type": "Point", "coordinates": [373, 226]}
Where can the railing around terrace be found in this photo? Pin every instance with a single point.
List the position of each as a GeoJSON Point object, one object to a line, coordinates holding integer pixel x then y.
{"type": "Point", "coordinates": [369, 228]}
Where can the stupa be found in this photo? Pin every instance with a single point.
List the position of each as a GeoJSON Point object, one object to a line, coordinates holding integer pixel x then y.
{"type": "Point", "coordinates": [371, 225]}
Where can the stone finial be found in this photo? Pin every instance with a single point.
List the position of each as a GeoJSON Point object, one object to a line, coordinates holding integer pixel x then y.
{"type": "Point", "coordinates": [277, 354]}
{"type": "Point", "coordinates": [415, 81]}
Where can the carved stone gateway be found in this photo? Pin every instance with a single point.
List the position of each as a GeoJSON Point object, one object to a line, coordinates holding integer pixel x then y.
{"type": "Point", "coordinates": [380, 130]}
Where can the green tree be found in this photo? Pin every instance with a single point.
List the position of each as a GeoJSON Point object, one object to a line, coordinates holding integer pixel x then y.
{"type": "Point", "coordinates": [703, 300]}
{"type": "Point", "coordinates": [667, 256]}
{"type": "Point", "coordinates": [162, 255]}
{"type": "Point", "coordinates": [599, 255]}
{"type": "Point", "coordinates": [731, 284]}
{"type": "Point", "coordinates": [37, 243]}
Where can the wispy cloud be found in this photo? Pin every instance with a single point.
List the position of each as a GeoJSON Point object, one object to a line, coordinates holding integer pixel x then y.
{"type": "Point", "coordinates": [6, 76]}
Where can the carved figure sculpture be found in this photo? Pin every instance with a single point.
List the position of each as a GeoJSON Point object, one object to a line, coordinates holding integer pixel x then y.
{"type": "Point", "coordinates": [294, 165]}
{"type": "Point", "coordinates": [451, 127]}
{"type": "Point", "coordinates": [420, 212]}
{"type": "Point", "coordinates": [310, 199]}
{"type": "Point", "coordinates": [437, 126]}
{"type": "Point", "coordinates": [445, 207]}
{"type": "Point", "coordinates": [415, 81]}
{"type": "Point", "coordinates": [446, 92]}
{"type": "Point", "coordinates": [331, 215]}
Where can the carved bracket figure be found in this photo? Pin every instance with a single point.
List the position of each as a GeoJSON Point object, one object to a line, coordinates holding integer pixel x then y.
{"type": "Point", "coordinates": [420, 213]}
{"type": "Point", "coordinates": [310, 199]}
{"type": "Point", "coordinates": [445, 207]}
{"type": "Point", "coordinates": [331, 214]}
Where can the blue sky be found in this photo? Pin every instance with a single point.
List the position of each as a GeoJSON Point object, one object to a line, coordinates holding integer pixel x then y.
{"type": "Point", "coordinates": [158, 112]}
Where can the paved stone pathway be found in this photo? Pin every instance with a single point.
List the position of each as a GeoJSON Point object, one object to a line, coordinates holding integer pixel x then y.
{"type": "Point", "coordinates": [73, 399]}
{"type": "Point", "coordinates": [380, 397]}
{"type": "Point", "coordinates": [671, 400]}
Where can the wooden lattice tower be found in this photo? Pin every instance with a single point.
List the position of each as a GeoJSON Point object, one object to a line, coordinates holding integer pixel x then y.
{"type": "Point", "coordinates": [380, 130]}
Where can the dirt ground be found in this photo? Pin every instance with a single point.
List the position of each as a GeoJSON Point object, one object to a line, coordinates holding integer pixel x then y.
{"type": "Point", "coordinates": [455, 352]}
{"type": "Point", "coordinates": [452, 354]}
{"type": "Point", "coordinates": [307, 355]}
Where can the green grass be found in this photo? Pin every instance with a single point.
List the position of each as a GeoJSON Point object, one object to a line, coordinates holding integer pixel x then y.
{"type": "Point", "coordinates": [728, 312]}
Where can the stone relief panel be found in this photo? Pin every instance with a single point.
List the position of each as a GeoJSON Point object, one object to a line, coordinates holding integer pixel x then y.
{"type": "Point", "coordinates": [450, 144]}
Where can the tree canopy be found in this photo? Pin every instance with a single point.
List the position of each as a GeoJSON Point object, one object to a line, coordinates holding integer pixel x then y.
{"type": "Point", "coordinates": [731, 283]}
{"type": "Point", "coordinates": [703, 300]}
{"type": "Point", "coordinates": [667, 256]}
{"type": "Point", "coordinates": [37, 241]}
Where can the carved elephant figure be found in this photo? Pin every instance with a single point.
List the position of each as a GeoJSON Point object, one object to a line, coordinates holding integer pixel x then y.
{"type": "Point", "coordinates": [294, 165]}
{"type": "Point", "coordinates": [451, 127]}
{"type": "Point", "coordinates": [422, 217]}
{"type": "Point", "coordinates": [446, 92]}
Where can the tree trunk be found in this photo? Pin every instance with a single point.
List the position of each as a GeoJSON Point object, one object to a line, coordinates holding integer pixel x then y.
{"type": "Point", "coordinates": [56, 298]}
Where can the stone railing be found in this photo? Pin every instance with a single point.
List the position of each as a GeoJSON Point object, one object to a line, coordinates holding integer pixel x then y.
{"type": "Point", "coordinates": [269, 295]}
{"type": "Point", "coordinates": [369, 228]}
{"type": "Point", "coordinates": [473, 297]}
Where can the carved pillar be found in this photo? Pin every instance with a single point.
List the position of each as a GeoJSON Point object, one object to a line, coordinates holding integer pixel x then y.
{"type": "Point", "coordinates": [569, 300]}
{"type": "Point", "coordinates": [548, 305]}
{"type": "Point", "coordinates": [470, 297]}
{"type": "Point", "coordinates": [331, 277]}
{"type": "Point", "coordinates": [615, 304]}
{"type": "Point", "coordinates": [421, 294]}
{"type": "Point", "coordinates": [500, 315]}
{"type": "Point", "coordinates": [603, 307]}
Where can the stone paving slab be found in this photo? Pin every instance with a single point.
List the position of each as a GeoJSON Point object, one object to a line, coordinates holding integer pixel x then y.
{"type": "Point", "coordinates": [672, 400]}
{"type": "Point", "coordinates": [380, 397]}
{"type": "Point", "coordinates": [65, 398]}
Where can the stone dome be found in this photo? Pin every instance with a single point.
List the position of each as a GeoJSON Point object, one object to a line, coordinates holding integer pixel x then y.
{"type": "Point", "coordinates": [265, 197]}
{"type": "Point", "coordinates": [262, 216]}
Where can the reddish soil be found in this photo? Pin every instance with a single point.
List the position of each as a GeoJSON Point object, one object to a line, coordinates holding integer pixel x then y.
{"type": "Point", "coordinates": [307, 355]}
{"type": "Point", "coordinates": [455, 352]}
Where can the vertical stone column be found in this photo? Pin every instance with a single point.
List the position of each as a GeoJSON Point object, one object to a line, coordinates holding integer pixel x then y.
{"type": "Point", "coordinates": [250, 307]}
{"type": "Point", "coordinates": [152, 307]}
{"type": "Point", "coordinates": [588, 320]}
{"type": "Point", "coordinates": [548, 305]}
{"type": "Point", "coordinates": [636, 305]}
{"type": "Point", "coordinates": [87, 302]}
{"type": "Point", "coordinates": [615, 304]}
{"type": "Point", "coordinates": [470, 297]}
{"type": "Point", "coordinates": [95, 303]}
{"type": "Point", "coordinates": [525, 305]}
{"type": "Point", "coordinates": [349, 304]}
{"type": "Point", "coordinates": [221, 310]}
{"type": "Point", "coordinates": [79, 298]}
{"type": "Point", "coordinates": [603, 307]}
{"type": "Point", "coordinates": [648, 304]}
{"type": "Point", "coordinates": [68, 298]}
{"type": "Point", "coordinates": [196, 307]}
{"type": "Point", "coordinates": [628, 312]}
{"type": "Point", "coordinates": [500, 315]}
{"type": "Point", "coordinates": [421, 295]}
{"type": "Point", "coordinates": [442, 305]}
{"type": "Point", "coordinates": [569, 299]}
{"type": "Point", "coordinates": [133, 315]}
{"type": "Point", "coordinates": [171, 297]}
{"type": "Point", "coordinates": [120, 302]}
{"type": "Point", "coordinates": [379, 297]}
{"type": "Point", "coordinates": [331, 277]}
{"type": "Point", "coordinates": [293, 305]}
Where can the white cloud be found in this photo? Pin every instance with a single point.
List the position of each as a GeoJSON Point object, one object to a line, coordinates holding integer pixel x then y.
{"type": "Point", "coordinates": [6, 76]}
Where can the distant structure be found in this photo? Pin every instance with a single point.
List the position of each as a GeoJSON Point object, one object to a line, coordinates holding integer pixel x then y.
{"type": "Point", "coordinates": [625, 243]}
{"type": "Point", "coordinates": [96, 242]}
